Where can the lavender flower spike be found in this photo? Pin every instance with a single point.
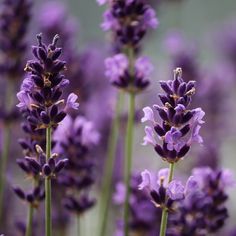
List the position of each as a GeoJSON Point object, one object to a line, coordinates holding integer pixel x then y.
{"type": "Point", "coordinates": [180, 125]}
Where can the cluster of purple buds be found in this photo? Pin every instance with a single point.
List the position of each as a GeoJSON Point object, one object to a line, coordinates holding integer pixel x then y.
{"type": "Point", "coordinates": [118, 71]}
{"type": "Point", "coordinates": [14, 18]}
{"type": "Point", "coordinates": [41, 92]}
{"type": "Point", "coordinates": [33, 197]}
{"type": "Point", "coordinates": [172, 138]}
{"type": "Point", "coordinates": [204, 210]}
{"type": "Point", "coordinates": [43, 167]}
{"type": "Point", "coordinates": [144, 217]}
{"type": "Point", "coordinates": [75, 138]}
{"type": "Point", "coordinates": [164, 193]}
{"type": "Point", "coordinates": [128, 20]}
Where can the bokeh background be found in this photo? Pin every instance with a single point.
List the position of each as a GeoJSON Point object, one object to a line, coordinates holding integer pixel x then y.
{"type": "Point", "coordinates": [202, 28]}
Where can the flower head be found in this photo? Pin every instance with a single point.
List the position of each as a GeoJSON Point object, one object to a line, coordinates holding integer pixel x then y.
{"type": "Point", "coordinates": [180, 125]}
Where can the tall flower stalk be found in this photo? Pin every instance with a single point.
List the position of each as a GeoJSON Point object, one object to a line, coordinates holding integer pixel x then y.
{"type": "Point", "coordinates": [14, 18]}
{"type": "Point", "coordinates": [41, 96]}
{"type": "Point", "coordinates": [179, 129]}
{"type": "Point", "coordinates": [128, 21]}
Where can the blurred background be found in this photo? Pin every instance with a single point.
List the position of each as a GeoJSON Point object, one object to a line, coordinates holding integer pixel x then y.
{"type": "Point", "coordinates": [197, 35]}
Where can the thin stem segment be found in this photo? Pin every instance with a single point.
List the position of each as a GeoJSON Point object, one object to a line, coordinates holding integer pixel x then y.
{"type": "Point", "coordinates": [29, 221]}
{"type": "Point", "coordinates": [109, 166]}
{"type": "Point", "coordinates": [9, 102]}
{"type": "Point", "coordinates": [128, 159]}
{"type": "Point", "coordinates": [48, 219]}
{"type": "Point", "coordinates": [164, 216]}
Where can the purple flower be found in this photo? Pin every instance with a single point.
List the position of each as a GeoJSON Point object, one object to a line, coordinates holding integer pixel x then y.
{"type": "Point", "coordinates": [203, 211]}
{"type": "Point", "coordinates": [148, 115]}
{"type": "Point", "coordinates": [162, 192]}
{"type": "Point", "coordinates": [75, 137]}
{"type": "Point", "coordinates": [180, 126]}
{"type": "Point", "coordinates": [173, 139]}
{"type": "Point", "coordinates": [25, 100]}
{"type": "Point", "coordinates": [143, 67]}
{"type": "Point", "coordinates": [116, 66]}
{"type": "Point", "coordinates": [41, 92]}
{"type": "Point", "coordinates": [71, 102]}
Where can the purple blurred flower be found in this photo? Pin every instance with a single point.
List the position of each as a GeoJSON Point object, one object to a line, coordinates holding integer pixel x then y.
{"type": "Point", "coordinates": [203, 211]}
{"type": "Point", "coordinates": [144, 217]}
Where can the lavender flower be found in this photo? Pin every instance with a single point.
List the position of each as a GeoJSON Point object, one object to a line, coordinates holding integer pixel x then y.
{"type": "Point", "coordinates": [180, 126]}
{"type": "Point", "coordinates": [41, 93]}
{"type": "Point", "coordinates": [117, 70]}
{"type": "Point", "coordinates": [144, 216]}
{"type": "Point", "coordinates": [128, 21]}
{"type": "Point", "coordinates": [14, 19]}
{"type": "Point", "coordinates": [75, 138]}
{"type": "Point", "coordinates": [163, 192]}
{"type": "Point", "coordinates": [203, 211]}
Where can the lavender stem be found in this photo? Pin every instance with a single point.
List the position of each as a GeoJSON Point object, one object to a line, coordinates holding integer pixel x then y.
{"type": "Point", "coordinates": [128, 159]}
{"type": "Point", "coordinates": [106, 187]}
{"type": "Point", "coordinates": [29, 221]}
{"type": "Point", "coordinates": [48, 220]}
{"type": "Point", "coordinates": [164, 216]}
{"type": "Point", "coordinates": [6, 144]}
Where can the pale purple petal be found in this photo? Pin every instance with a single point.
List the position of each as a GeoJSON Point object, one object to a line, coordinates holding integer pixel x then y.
{"type": "Point", "coordinates": [148, 115]}
{"type": "Point", "coordinates": [150, 18]}
{"type": "Point", "coordinates": [143, 67]}
{"type": "Point", "coordinates": [163, 175]}
{"type": "Point", "coordinates": [149, 138]}
{"type": "Point", "coordinates": [149, 181]}
{"type": "Point", "coordinates": [24, 99]}
{"type": "Point", "coordinates": [71, 102]}
{"type": "Point", "coordinates": [175, 190]}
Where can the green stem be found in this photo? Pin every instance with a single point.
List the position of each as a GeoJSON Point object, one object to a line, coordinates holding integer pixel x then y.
{"type": "Point", "coordinates": [128, 159]}
{"type": "Point", "coordinates": [9, 102]}
{"type": "Point", "coordinates": [48, 220]}
{"type": "Point", "coordinates": [109, 165]}
{"type": "Point", "coordinates": [29, 221]}
{"type": "Point", "coordinates": [78, 226]}
{"type": "Point", "coordinates": [164, 216]}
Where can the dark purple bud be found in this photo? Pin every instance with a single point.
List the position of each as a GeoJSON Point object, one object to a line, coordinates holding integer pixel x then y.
{"type": "Point", "coordinates": [38, 97]}
{"type": "Point", "coordinates": [23, 143]}
{"type": "Point", "coordinates": [19, 192]}
{"type": "Point", "coordinates": [42, 159]}
{"type": "Point", "coordinates": [54, 111]}
{"type": "Point", "coordinates": [190, 85]}
{"type": "Point", "coordinates": [41, 196]}
{"type": "Point", "coordinates": [159, 150]}
{"type": "Point", "coordinates": [176, 84]}
{"type": "Point", "coordinates": [177, 118]}
{"type": "Point", "coordinates": [166, 87]}
{"type": "Point", "coordinates": [171, 113]}
{"type": "Point", "coordinates": [58, 66]}
{"type": "Point", "coordinates": [162, 194]}
{"type": "Point", "coordinates": [182, 89]}
{"type": "Point", "coordinates": [46, 170]}
{"type": "Point", "coordinates": [38, 80]}
{"type": "Point", "coordinates": [155, 196]}
{"type": "Point", "coordinates": [159, 130]}
{"type": "Point", "coordinates": [51, 163]}
{"type": "Point", "coordinates": [163, 99]}
{"type": "Point", "coordinates": [185, 129]}
{"type": "Point", "coordinates": [56, 53]}
{"type": "Point", "coordinates": [42, 54]}
{"type": "Point", "coordinates": [183, 151]}
{"type": "Point", "coordinates": [57, 94]}
{"type": "Point", "coordinates": [59, 117]}
{"type": "Point", "coordinates": [30, 197]}
{"type": "Point", "coordinates": [187, 117]}
{"type": "Point", "coordinates": [172, 154]}
{"type": "Point", "coordinates": [34, 164]}
{"type": "Point", "coordinates": [45, 117]}
{"type": "Point", "coordinates": [60, 165]}
{"type": "Point", "coordinates": [162, 113]}
{"type": "Point", "coordinates": [23, 165]}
